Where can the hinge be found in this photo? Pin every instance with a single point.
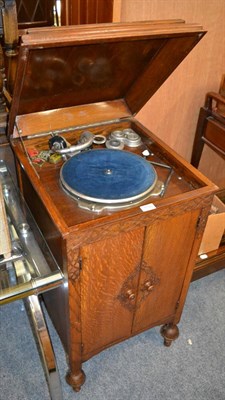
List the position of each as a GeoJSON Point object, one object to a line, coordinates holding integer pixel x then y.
{"type": "Point", "coordinates": [201, 222]}
{"type": "Point", "coordinates": [177, 305]}
{"type": "Point", "coordinates": [198, 222]}
{"type": "Point", "coordinates": [80, 263]}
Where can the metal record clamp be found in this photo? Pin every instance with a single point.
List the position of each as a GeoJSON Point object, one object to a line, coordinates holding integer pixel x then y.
{"type": "Point", "coordinates": [164, 185]}
{"type": "Point", "coordinates": [167, 181]}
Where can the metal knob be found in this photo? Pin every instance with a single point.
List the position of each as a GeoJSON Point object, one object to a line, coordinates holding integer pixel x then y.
{"type": "Point", "coordinates": [148, 286]}
{"type": "Point", "coordinates": [24, 229]}
{"type": "Point", "coordinates": [130, 295]}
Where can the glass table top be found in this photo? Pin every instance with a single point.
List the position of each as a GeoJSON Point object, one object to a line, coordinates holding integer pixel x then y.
{"type": "Point", "coordinates": [30, 268]}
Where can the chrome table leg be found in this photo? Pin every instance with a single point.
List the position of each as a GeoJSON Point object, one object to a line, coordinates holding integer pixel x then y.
{"type": "Point", "coordinates": [45, 347]}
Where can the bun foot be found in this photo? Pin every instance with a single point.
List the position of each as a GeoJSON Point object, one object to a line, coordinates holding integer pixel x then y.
{"type": "Point", "coordinates": [75, 380]}
{"type": "Point", "coordinates": [170, 332]}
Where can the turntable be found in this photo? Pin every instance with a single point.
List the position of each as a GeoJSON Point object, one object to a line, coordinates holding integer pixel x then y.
{"type": "Point", "coordinates": [112, 179]}
{"type": "Point", "coordinates": [123, 214]}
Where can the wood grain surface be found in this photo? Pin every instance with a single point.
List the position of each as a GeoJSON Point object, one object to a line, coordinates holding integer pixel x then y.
{"type": "Point", "coordinates": [106, 265]}
{"type": "Point", "coordinates": [169, 266]}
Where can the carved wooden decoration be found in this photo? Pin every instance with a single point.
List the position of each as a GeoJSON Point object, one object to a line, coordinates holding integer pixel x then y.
{"type": "Point", "coordinates": [74, 265]}
{"type": "Point", "coordinates": [127, 295]}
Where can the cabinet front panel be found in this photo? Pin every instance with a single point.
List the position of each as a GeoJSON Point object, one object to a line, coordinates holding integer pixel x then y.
{"type": "Point", "coordinates": [109, 281]}
{"type": "Point", "coordinates": [166, 253]}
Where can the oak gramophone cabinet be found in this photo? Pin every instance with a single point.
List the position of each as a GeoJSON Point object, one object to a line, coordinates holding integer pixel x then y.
{"type": "Point", "coordinates": [126, 238]}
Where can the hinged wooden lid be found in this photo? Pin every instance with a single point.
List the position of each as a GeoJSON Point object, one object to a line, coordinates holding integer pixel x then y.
{"type": "Point", "coordinates": [70, 66]}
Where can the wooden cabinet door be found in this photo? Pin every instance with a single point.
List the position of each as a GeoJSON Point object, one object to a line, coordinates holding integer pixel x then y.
{"type": "Point", "coordinates": [109, 281]}
{"type": "Point", "coordinates": [167, 248]}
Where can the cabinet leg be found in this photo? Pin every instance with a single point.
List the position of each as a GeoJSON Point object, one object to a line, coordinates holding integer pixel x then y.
{"type": "Point", "coordinates": [75, 380]}
{"type": "Point", "coordinates": [170, 332]}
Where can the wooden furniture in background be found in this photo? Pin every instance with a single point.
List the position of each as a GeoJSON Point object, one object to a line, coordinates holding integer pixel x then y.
{"type": "Point", "coordinates": [16, 15]}
{"type": "Point", "coordinates": [8, 62]}
{"type": "Point", "coordinates": [211, 131]}
{"type": "Point", "coordinates": [33, 13]}
{"type": "Point", "coordinates": [210, 128]}
{"type": "Point", "coordinates": [220, 107]}
{"type": "Point", "coordinates": [76, 12]}
{"type": "Point", "coordinates": [10, 46]}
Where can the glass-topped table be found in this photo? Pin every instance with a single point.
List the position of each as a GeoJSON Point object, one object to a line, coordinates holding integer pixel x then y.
{"type": "Point", "coordinates": [28, 270]}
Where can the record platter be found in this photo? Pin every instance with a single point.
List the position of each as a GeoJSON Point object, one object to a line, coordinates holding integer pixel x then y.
{"type": "Point", "coordinates": [108, 179]}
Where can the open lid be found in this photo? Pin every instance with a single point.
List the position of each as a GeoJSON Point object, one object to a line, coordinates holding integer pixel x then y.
{"type": "Point", "coordinates": [70, 66]}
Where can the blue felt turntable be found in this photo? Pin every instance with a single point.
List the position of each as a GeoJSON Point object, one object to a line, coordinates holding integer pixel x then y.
{"type": "Point", "coordinates": [107, 176]}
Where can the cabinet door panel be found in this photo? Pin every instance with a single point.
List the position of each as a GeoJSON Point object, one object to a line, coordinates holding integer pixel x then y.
{"type": "Point", "coordinates": [110, 270]}
{"type": "Point", "coordinates": [166, 253]}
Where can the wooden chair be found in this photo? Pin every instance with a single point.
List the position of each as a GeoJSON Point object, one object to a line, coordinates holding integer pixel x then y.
{"type": "Point", "coordinates": [211, 125]}
{"type": "Point", "coordinates": [211, 131]}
